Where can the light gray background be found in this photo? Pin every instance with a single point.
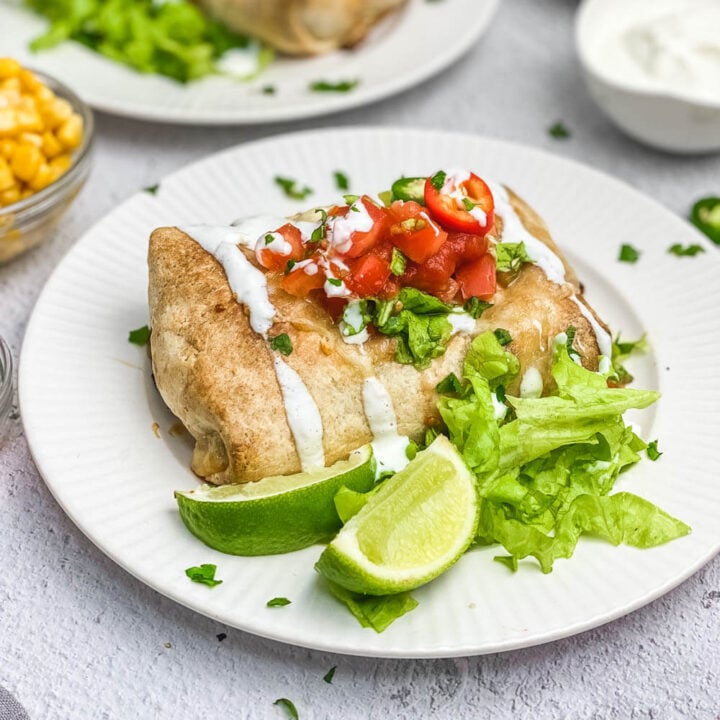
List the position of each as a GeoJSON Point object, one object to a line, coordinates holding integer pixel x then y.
{"type": "Point", "coordinates": [80, 638]}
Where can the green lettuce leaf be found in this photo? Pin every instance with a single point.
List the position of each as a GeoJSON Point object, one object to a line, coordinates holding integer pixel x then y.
{"type": "Point", "coordinates": [377, 612]}
{"type": "Point", "coordinates": [545, 477]}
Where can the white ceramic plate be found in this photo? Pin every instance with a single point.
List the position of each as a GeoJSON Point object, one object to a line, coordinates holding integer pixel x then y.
{"type": "Point", "coordinates": [404, 49]}
{"type": "Point", "coordinates": [89, 405]}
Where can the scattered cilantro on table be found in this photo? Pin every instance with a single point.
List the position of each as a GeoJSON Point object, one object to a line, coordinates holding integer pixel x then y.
{"type": "Point", "coordinates": [204, 574]}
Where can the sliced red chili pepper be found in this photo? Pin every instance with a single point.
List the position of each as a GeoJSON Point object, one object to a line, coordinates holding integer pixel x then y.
{"type": "Point", "coordinates": [466, 205]}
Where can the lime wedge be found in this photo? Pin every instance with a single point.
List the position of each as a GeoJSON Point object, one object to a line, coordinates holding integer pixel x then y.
{"type": "Point", "coordinates": [277, 514]}
{"type": "Point", "coordinates": [413, 528]}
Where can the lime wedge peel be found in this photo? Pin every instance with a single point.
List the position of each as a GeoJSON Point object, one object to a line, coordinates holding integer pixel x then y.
{"type": "Point", "coordinates": [275, 515]}
{"type": "Point", "coordinates": [414, 528]}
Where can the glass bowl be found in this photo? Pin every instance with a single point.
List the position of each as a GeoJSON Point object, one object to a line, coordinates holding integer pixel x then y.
{"type": "Point", "coordinates": [6, 388]}
{"type": "Point", "coordinates": [27, 223]}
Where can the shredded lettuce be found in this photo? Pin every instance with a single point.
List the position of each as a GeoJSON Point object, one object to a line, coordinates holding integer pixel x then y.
{"type": "Point", "coordinates": [418, 321]}
{"type": "Point", "coordinates": [170, 38]}
{"type": "Point", "coordinates": [545, 473]}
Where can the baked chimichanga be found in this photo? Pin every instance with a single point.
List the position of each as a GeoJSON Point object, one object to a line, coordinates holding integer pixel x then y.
{"type": "Point", "coordinates": [286, 344]}
{"type": "Point", "coordinates": [302, 27]}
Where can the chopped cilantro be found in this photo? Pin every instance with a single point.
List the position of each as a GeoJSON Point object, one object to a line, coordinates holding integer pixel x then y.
{"type": "Point", "coordinates": [282, 344]}
{"type": "Point", "coordinates": [350, 199]}
{"type": "Point", "coordinates": [476, 307]}
{"type": "Point", "coordinates": [411, 450]}
{"type": "Point", "coordinates": [278, 602]}
{"type": "Point", "coordinates": [268, 90]}
{"type": "Point", "coordinates": [341, 181]}
{"type": "Point", "coordinates": [503, 336]}
{"type": "Point", "coordinates": [204, 574]}
{"type": "Point", "coordinates": [398, 262]}
{"type": "Point", "coordinates": [330, 674]}
{"type": "Point", "coordinates": [291, 189]}
{"type": "Point", "coordinates": [559, 131]}
{"type": "Point", "coordinates": [469, 204]}
{"type": "Point", "coordinates": [510, 256]}
{"type": "Point", "coordinates": [290, 265]}
{"type": "Point", "coordinates": [628, 254]}
{"type": "Point", "coordinates": [341, 86]}
{"type": "Point", "coordinates": [268, 239]}
{"type": "Point", "coordinates": [685, 250]}
{"type": "Point", "coordinates": [438, 179]}
{"type": "Point", "coordinates": [318, 233]}
{"type": "Point", "coordinates": [152, 189]}
{"type": "Point", "coordinates": [140, 337]}
{"type": "Point", "coordinates": [652, 450]}
{"type": "Point", "coordinates": [337, 282]}
{"type": "Point", "coordinates": [571, 331]}
{"type": "Point", "coordinates": [289, 706]}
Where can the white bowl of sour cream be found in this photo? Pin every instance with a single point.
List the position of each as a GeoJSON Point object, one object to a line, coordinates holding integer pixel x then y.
{"type": "Point", "coordinates": [653, 66]}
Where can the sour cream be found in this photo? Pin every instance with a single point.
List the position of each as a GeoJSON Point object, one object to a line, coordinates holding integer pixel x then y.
{"type": "Point", "coordinates": [669, 49]}
{"type": "Point", "coordinates": [248, 284]}
{"type": "Point", "coordinates": [303, 416]}
{"type": "Point", "coordinates": [389, 448]}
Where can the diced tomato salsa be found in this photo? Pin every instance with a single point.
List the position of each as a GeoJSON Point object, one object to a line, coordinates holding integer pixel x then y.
{"type": "Point", "coordinates": [366, 250]}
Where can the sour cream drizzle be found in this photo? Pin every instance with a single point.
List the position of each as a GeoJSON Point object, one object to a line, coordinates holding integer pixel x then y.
{"type": "Point", "coordinates": [514, 231]}
{"type": "Point", "coordinates": [388, 447]}
{"type": "Point", "coordinates": [248, 284]}
{"type": "Point", "coordinates": [303, 416]}
{"type": "Point", "coordinates": [604, 340]}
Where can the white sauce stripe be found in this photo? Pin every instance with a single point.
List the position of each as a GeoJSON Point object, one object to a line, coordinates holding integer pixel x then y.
{"type": "Point", "coordinates": [604, 340]}
{"type": "Point", "coordinates": [389, 448]}
{"type": "Point", "coordinates": [514, 231]}
{"type": "Point", "coordinates": [303, 416]}
{"type": "Point", "coordinates": [248, 284]}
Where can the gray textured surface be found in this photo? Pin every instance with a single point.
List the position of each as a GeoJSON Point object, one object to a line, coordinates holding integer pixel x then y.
{"type": "Point", "coordinates": [80, 638]}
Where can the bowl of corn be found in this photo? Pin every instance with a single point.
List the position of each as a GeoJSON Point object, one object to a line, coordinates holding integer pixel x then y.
{"type": "Point", "coordinates": [46, 135]}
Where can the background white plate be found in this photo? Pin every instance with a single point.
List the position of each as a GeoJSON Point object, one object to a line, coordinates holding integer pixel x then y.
{"type": "Point", "coordinates": [88, 402]}
{"type": "Point", "coordinates": [404, 49]}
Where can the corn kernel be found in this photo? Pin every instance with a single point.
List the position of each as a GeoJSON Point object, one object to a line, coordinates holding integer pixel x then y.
{"type": "Point", "coordinates": [50, 145]}
{"type": "Point", "coordinates": [30, 138]}
{"type": "Point", "coordinates": [42, 179]}
{"type": "Point", "coordinates": [8, 122]}
{"type": "Point", "coordinates": [29, 80]}
{"type": "Point", "coordinates": [7, 147]}
{"type": "Point", "coordinates": [11, 84]}
{"type": "Point", "coordinates": [56, 112]}
{"type": "Point", "coordinates": [10, 196]}
{"type": "Point", "coordinates": [70, 132]}
{"type": "Point", "coordinates": [44, 95]}
{"type": "Point", "coordinates": [61, 164]}
{"type": "Point", "coordinates": [26, 162]}
{"type": "Point", "coordinates": [9, 67]}
{"type": "Point", "coordinates": [7, 180]}
{"type": "Point", "coordinates": [29, 121]}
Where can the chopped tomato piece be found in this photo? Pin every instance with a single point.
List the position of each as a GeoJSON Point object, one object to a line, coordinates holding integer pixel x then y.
{"type": "Point", "coordinates": [335, 306]}
{"type": "Point", "coordinates": [300, 284]}
{"type": "Point", "coordinates": [466, 206]}
{"type": "Point", "coordinates": [269, 257]}
{"type": "Point", "coordinates": [432, 276]}
{"type": "Point", "coordinates": [367, 275]}
{"type": "Point", "coordinates": [363, 240]}
{"type": "Point", "coordinates": [477, 278]}
{"type": "Point", "coordinates": [413, 232]}
{"type": "Point", "coordinates": [467, 246]}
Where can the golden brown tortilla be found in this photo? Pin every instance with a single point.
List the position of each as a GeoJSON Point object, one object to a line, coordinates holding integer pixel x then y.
{"type": "Point", "coordinates": [302, 27]}
{"type": "Point", "coordinates": [217, 375]}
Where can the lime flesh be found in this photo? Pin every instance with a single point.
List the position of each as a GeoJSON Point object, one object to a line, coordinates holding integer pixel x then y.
{"type": "Point", "coordinates": [277, 514]}
{"type": "Point", "coordinates": [416, 526]}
